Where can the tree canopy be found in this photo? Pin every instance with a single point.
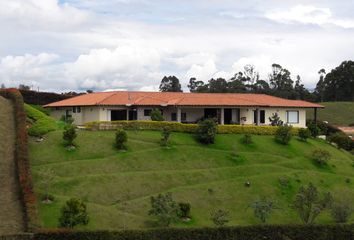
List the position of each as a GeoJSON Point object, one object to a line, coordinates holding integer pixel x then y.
{"type": "Point", "coordinates": [170, 84]}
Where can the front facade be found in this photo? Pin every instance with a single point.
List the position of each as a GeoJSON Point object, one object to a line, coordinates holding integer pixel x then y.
{"type": "Point", "coordinates": [246, 109]}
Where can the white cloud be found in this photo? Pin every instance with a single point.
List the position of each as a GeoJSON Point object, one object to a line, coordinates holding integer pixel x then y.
{"type": "Point", "coordinates": [203, 71]}
{"type": "Point", "coordinates": [308, 14]}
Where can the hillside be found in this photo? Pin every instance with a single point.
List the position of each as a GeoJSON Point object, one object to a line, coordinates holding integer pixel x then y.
{"type": "Point", "coordinates": [336, 113]}
{"type": "Point", "coordinates": [117, 186]}
{"type": "Point", "coordinates": [11, 220]}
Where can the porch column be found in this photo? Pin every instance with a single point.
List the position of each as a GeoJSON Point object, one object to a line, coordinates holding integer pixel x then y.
{"type": "Point", "coordinates": [222, 116]}
{"type": "Point", "coordinates": [315, 116]}
{"type": "Point", "coordinates": [179, 115]}
{"type": "Point", "coordinates": [258, 116]}
{"type": "Point", "coordinates": [127, 113]}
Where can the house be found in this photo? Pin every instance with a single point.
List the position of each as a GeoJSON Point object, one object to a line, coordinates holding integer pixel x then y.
{"type": "Point", "coordinates": [228, 108]}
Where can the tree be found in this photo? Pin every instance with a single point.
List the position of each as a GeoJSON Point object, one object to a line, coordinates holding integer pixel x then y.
{"type": "Point", "coordinates": [165, 137]}
{"type": "Point", "coordinates": [206, 131]}
{"type": "Point", "coordinates": [24, 87]}
{"type": "Point", "coordinates": [197, 86]}
{"type": "Point", "coordinates": [320, 86]}
{"type": "Point", "coordinates": [73, 213]}
{"type": "Point", "coordinates": [220, 217]}
{"type": "Point", "coordinates": [69, 135]}
{"type": "Point", "coordinates": [121, 139]}
{"type": "Point", "coordinates": [309, 204]}
{"type": "Point", "coordinates": [89, 91]}
{"type": "Point", "coordinates": [304, 134]}
{"type": "Point", "coordinates": [275, 120]}
{"type": "Point", "coordinates": [164, 208]}
{"type": "Point", "coordinates": [262, 208]}
{"type": "Point", "coordinates": [283, 134]}
{"type": "Point", "coordinates": [170, 84]}
{"type": "Point", "coordinates": [46, 180]}
{"type": "Point", "coordinates": [156, 115]}
{"type": "Point", "coordinates": [280, 81]}
{"type": "Point", "coordinates": [218, 85]}
{"type": "Point", "coordinates": [341, 207]}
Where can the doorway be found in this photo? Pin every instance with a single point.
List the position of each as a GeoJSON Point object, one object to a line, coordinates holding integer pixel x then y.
{"type": "Point", "coordinates": [117, 115]}
{"type": "Point", "coordinates": [227, 116]}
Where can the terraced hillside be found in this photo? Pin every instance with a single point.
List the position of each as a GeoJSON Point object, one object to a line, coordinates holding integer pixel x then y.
{"type": "Point", "coordinates": [117, 186]}
{"type": "Point", "coordinates": [11, 220]}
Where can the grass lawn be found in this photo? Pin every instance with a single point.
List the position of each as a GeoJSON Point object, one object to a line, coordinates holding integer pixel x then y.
{"type": "Point", "coordinates": [336, 113]}
{"type": "Point", "coordinates": [117, 186]}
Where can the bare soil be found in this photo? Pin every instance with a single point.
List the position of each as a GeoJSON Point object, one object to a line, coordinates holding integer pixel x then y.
{"type": "Point", "coordinates": [11, 216]}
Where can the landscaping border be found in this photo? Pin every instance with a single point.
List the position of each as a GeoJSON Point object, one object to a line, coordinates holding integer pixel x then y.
{"type": "Point", "coordinates": [28, 198]}
{"type": "Point", "coordinates": [258, 232]}
{"type": "Point", "coordinates": [182, 127]}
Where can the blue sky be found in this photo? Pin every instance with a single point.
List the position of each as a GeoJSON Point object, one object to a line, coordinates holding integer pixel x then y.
{"type": "Point", "coordinates": [131, 44]}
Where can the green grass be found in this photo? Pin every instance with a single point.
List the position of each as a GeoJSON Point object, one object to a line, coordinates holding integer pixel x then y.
{"type": "Point", "coordinates": [336, 113]}
{"type": "Point", "coordinates": [40, 123]}
{"type": "Point", "coordinates": [117, 186]}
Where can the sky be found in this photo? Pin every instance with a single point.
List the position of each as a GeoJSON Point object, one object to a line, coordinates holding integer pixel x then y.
{"type": "Point", "coordinates": [64, 45]}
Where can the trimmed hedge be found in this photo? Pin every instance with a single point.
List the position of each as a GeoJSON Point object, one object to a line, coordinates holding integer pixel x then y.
{"type": "Point", "coordinates": [22, 160]}
{"type": "Point", "coordinates": [41, 123]}
{"type": "Point", "coordinates": [182, 127]}
{"type": "Point", "coordinates": [259, 232]}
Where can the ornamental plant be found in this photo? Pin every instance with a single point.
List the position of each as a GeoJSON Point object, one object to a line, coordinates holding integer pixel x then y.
{"type": "Point", "coordinates": [121, 139]}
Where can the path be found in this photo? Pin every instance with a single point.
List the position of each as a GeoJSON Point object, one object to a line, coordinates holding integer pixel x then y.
{"type": "Point", "coordinates": [11, 218]}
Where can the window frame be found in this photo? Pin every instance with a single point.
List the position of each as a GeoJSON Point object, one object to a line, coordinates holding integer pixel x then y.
{"type": "Point", "coordinates": [183, 116]}
{"type": "Point", "coordinates": [292, 111]}
{"type": "Point", "coordinates": [174, 116]}
{"type": "Point", "coordinates": [147, 112]}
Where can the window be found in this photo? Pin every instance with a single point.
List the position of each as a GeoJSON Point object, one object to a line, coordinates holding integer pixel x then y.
{"type": "Point", "coordinates": [78, 109]}
{"type": "Point", "coordinates": [147, 112]}
{"type": "Point", "coordinates": [261, 116]}
{"type": "Point", "coordinates": [173, 116]}
{"type": "Point", "coordinates": [292, 116]}
{"type": "Point", "coordinates": [74, 109]}
{"type": "Point", "coordinates": [183, 116]}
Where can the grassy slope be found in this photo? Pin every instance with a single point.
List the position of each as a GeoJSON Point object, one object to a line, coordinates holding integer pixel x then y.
{"type": "Point", "coordinates": [337, 113]}
{"type": "Point", "coordinates": [117, 185]}
{"type": "Point", "coordinates": [40, 122]}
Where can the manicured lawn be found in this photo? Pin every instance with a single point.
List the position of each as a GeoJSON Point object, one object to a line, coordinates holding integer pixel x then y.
{"type": "Point", "coordinates": [336, 113]}
{"type": "Point", "coordinates": [117, 186]}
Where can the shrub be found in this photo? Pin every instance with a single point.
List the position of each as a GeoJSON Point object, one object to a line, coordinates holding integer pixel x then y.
{"type": "Point", "coordinates": [220, 217]}
{"type": "Point", "coordinates": [206, 131]}
{"type": "Point", "coordinates": [247, 139]}
{"type": "Point", "coordinates": [165, 209]}
{"type": "Point", "coordinates": [165, 137]}
{"type": "Point", "coordinates": [304, 134]}
{"type": "Point", "coordinates": [262, 208]}
{"type": "Point", "coordinates": [314, 129]}
{"type": "Point", "coordinates": [341, 208]}
{"type": "Point", "coordinates": [309, 204]}
{"type": "Point", "coordinates": [283, 134]}
{"type": "Point", "coordinates": [69, 135]}
{"type": "Point", "coordinates": [121, 139]}
{"type": "Point", "coordinates": [321, 156]}
{"type": "Point", "coordinates": [73, 213]}
{"type": "Point", "coordinates": [342, 140]}
{"type": "Point", "coordinates": [275, 120]}
{"type": "Point", "coordinates": [185, 209]}
{"type": "Point", "coordinates": [46, 181]}
{"type": "Point", "coordinates": [156, 115]}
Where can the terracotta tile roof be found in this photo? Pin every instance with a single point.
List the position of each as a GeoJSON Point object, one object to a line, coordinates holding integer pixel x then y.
{"type": "Point", "coordinates": [180, 99]}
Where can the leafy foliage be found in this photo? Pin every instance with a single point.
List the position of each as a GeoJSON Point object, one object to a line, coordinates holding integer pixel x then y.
{"type": "Point", "coordinates": [341, 208]}
{"type": "Point", "coordinates": [165, 209]}
{"type": "Point", "coordinates": [247, 139]}
{"type": "Point", "coordinates": [206, 131]}
{"type": "Point", "coordinates": [73, 213]}
{"type": "Point", "coordinates": [275, 120]}
{"type": "Point", "coordinates": [342, 140]}
{"type": "Point", "coordinates": [220, 217]}
{"type": "Point", "coordinates": [321, 156]}
{"type": "Point", "coordinates": [185, 209]}
{"type": "Point", "coordinates": [262, 208]}
{"type": "Point", "coordinates": [69, 135]}
{"type": "Point", "coordinates": [304, 134]}
{"type": "Point", "coordinates": [283, 134]}
{"type": "Point", "coordinates": [156, 115]}
{"type": "Point", "coordinates": [165, 137]}
{"type": "Point", "coordinates": [170, 84]}
{"type": "Point", "coordinates": [40, 123]}
{"type": "Point", "coordinates": [121, 139]}
{"type": "Point", "coordinates": [309, 204]}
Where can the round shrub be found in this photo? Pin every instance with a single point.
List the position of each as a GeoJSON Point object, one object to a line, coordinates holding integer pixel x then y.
{"type": "Point", "coordinates": [69, 135]}
{"type": "Point", "coordinates": [283, 134]}
{"type": "Point", "coordinates": [304, 134]}
{"type": "Point", "coordinates": [185, 209]}
{"type": "Point", "coordinates": [342, 140]}
{"type": "Point", "coordinates": [206, 131]}
{"type": "Point", "coordinates": [121, 139]}
{"type": "Point", "coordinates": [73, 213]}
{"type": "Point", "coordinates": [247, 139]}
{"type": "Point", "coordinates": [321, 156]}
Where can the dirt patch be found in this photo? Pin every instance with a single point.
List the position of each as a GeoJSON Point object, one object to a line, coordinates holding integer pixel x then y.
{"type": "Point", "coordinates": [11, 215]}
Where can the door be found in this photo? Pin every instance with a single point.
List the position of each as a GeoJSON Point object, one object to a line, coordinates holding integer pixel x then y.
{"type": "Point", "coordinates": [227, 116]}
{"type": "Point", "coordinates": [210, 113]}
{"type": "Point", "coordinates": [117, 115]}
{"type": "Point", "coordinates": [133, 114]}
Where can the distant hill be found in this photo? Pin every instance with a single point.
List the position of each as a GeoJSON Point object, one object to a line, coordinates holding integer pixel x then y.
{"type": "Point", "coordinates": [42, 98]}
{"type": "Point", "coordinates": [336, 113]}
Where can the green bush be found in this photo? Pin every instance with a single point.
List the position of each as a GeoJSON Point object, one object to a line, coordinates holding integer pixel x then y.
{"type": "Point", "coordinates": [341, 208]}
{"type": "Point", "coordinates": [165, 209]}
{"type": "Point", "coordinates": [185, 209]}
{"type": "Point", "coordinates": [314, 129]}
{"type": "Point", "coordinates": [220, 217]}
{"type": "Point", "coordinates": [262, 208]}
{"type": "Point", "coordinates": [69, 135]}
{"type": "Point", "coordinates": [121, 139]}
{"type": "Point", "coordinates": [41, 124]}
{"type": "Point", "coordinates": [206, 131]}
{"type": "Point", "coordinates": [182, 127]}
{"type": "Point", "coordinates": [165, 137]}
{"type": "Point", "coordinates": [321, 156]}
{"type": "Point", "coordinates": [283, 134]}
{"type": "Point", "coordinates": [156, 115]}
{"type": "Point", "coordinates": [342, 140]}
{"type": "Point", "coordinates": [73, 213]}
{"type": "Point", "coordinates": [247, 139]}
{"type": "Point", "coordinates": [304, 134]}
